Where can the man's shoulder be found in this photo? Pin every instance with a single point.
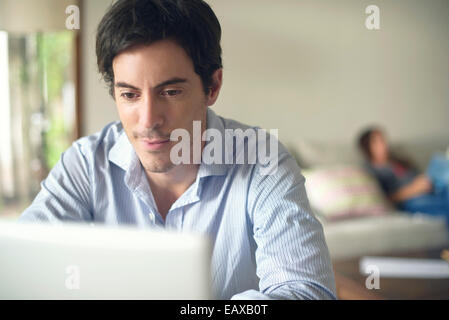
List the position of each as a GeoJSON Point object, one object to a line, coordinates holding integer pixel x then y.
{"type": "Point", "coordinates": [231, 124]}
{"type": "Point", "coordinates": [238, 129]}
{"type": "Point", "coordinates": [259, 149]}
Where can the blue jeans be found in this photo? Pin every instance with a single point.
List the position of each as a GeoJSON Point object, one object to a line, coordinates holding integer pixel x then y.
{"type": "Point", "coordinates": [434, 204]}
{"type": "Point", "coordinates": [438, 172]}
{"type": "Point", "coordinates": [437, 202]}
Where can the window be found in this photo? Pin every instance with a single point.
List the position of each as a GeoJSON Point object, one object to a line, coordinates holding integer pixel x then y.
{"type": "Point", "coordinates": [37, 111]}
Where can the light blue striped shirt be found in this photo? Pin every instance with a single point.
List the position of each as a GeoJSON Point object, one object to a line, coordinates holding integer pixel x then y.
{"type": "Point", "coordinates": [266, 241]}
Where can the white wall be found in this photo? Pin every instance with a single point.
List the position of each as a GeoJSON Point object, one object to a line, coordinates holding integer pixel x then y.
{"type": "Point", "coordinates": [311, 69]}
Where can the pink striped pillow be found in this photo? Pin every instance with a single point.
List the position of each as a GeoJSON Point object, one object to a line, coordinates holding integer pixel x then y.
{"type": "Point", "coordinates": [338, 192]}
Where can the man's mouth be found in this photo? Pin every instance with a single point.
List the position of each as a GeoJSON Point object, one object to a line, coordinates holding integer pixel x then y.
{"type": "Point", "coordinates": [154, 144]}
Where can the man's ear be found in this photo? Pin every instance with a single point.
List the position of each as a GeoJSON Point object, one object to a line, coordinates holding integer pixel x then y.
{"type": "Point", "coordinates": [214, 90]}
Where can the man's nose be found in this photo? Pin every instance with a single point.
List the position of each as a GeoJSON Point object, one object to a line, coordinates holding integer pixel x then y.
{"type": "Point", "coordinates": [151, 113]}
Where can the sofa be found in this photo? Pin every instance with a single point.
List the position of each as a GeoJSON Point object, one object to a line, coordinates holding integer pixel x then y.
{"type": "Point", "coordinates": [357, 218]}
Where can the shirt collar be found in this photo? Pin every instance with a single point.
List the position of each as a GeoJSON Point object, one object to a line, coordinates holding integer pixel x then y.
{"type": "Point", "coordinates": [214, 169]}
{"type": "Point", "coordinates": [122, 153]}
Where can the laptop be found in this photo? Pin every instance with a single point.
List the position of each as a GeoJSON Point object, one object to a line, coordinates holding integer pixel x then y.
{"type": "Point", "coordinates": [81, 261]}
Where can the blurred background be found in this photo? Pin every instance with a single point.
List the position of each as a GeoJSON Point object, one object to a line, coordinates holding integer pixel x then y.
{"type": "Point", "coordinates": [38, 96]}
{"type": "Point", "coordinates": [309, 68]}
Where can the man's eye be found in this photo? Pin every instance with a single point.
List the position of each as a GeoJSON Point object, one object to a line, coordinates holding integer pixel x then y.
{"type": "Point", "coordinates": [170, 93]}
{"type": "Point", "coordinates": [129, 95]}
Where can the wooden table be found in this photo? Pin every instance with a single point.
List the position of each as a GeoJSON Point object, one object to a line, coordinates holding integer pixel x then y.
{"type": "Point", "coordinates": [351, 284]}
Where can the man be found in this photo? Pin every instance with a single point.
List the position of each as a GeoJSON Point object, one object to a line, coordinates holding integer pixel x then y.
{"type": "Point", "coordinates": [162, 62]}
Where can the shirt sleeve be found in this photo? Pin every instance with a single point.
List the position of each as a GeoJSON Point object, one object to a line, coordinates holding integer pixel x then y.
{"type": "Point", "coordinates": [292, 257]}
{"type": "Point", "coordinates": [65, 193]}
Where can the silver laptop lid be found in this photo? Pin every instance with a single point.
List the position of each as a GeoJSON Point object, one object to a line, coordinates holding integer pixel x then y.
{"type": "Point", "coordinates": [71, 261]}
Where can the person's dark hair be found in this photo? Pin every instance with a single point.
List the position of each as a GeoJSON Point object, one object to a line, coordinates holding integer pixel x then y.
{"type": "Point", "coordinates": [190, 23]}
{"type": "Point", "coordinates": [364, 144]}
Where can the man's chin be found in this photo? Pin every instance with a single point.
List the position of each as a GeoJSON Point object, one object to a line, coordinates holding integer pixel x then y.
{"type": "Point", "coordinates": [155, 162]}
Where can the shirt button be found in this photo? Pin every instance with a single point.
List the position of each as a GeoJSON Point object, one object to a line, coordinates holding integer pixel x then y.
{"type": "Point", "coordinates": [152, 218]}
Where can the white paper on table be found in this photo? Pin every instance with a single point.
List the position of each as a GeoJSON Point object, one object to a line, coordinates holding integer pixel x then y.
{"type": "Point", "coordinates": [405, 267]}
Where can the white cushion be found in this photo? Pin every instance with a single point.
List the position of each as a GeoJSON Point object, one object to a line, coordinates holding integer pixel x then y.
{"type": "Point", "coordinates": [396, 232]}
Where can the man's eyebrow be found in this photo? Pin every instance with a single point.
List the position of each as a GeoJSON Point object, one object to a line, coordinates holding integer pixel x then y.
{"type": "Point", "coordinates": [126, 85]}
{"type": "Point", "coordinates": [170, 81]}
{"type": "Point", "coordinates": [121, 84]}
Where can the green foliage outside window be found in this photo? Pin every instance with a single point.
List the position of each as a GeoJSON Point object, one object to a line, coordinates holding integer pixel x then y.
{"type": "Point", "coordinates": [55, 61]}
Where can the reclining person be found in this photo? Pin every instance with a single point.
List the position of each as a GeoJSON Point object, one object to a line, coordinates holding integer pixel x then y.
{"type": "Point", "coordinates": [407, 187]}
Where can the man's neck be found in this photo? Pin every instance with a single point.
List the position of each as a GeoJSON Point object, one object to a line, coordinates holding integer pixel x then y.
{"type": "Point", "coordinates": [167, 187]}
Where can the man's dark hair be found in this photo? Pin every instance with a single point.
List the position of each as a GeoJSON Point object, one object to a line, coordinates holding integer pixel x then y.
{"type": "Point", "coordinates": [190, 23]}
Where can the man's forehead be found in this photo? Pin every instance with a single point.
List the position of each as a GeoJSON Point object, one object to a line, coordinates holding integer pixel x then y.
{"type": "Point", "coordinates": [157, 62]}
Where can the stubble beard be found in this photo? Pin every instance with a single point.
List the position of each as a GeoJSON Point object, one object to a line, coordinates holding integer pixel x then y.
{"type": "Point", "coordinates": [158, 165]}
